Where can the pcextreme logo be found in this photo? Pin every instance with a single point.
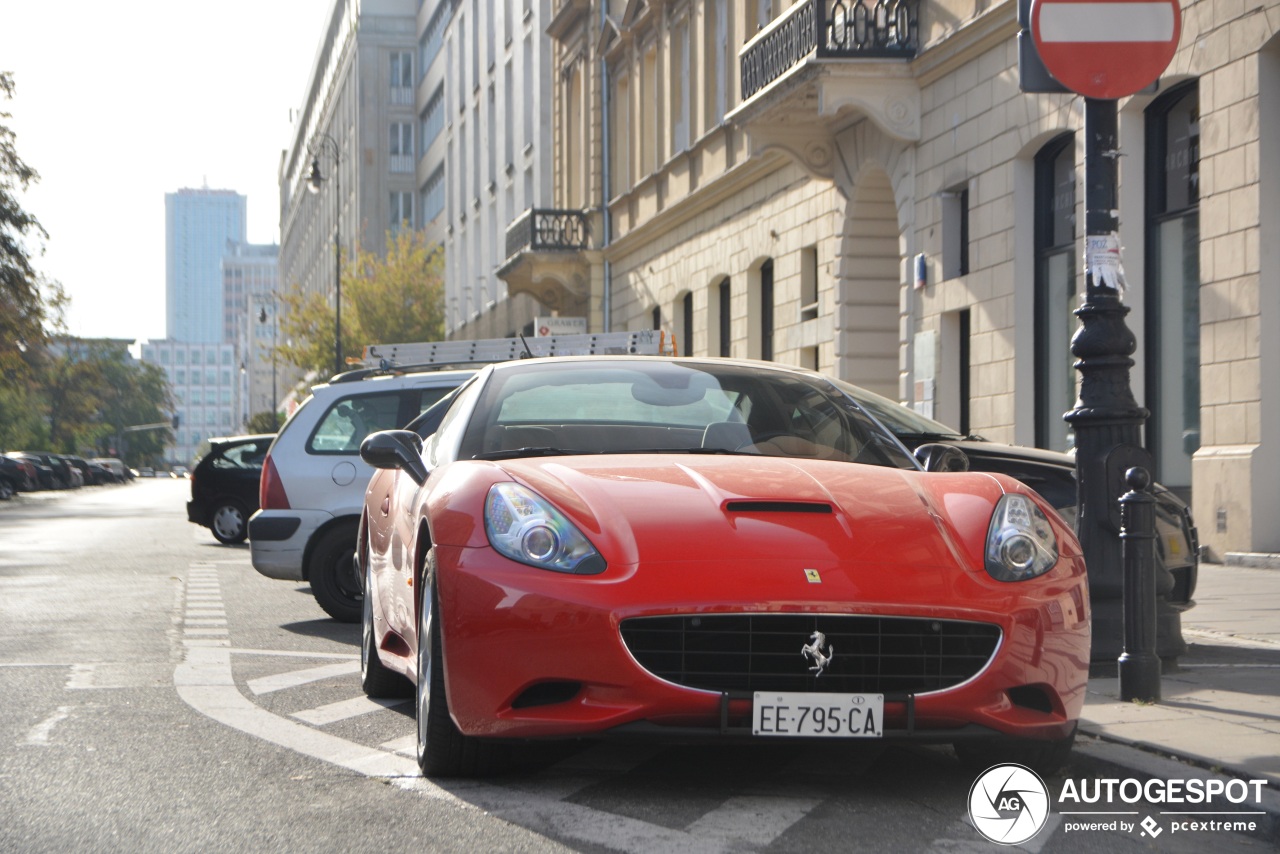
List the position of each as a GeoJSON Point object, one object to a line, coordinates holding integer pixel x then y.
{"type": "Point", "coordinates": [1009, 804]}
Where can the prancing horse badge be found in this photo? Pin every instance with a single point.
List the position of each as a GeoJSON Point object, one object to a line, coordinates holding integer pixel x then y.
{"type": "Point", "coordinates": [812, 576]}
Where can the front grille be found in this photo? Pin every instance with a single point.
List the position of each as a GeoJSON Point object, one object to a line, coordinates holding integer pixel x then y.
{"type": "Point", "coordinates": [762, 652]}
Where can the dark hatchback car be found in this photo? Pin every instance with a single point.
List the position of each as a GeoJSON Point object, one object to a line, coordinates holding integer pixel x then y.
{"type": "Point", "coordinates": [1053, 475]}
{"type": "Point", "coordinates": [224, 485]}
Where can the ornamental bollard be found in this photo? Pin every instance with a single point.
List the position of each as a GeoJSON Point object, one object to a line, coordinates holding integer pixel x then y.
{"type": "Point", "coordinates": [1139, 663]}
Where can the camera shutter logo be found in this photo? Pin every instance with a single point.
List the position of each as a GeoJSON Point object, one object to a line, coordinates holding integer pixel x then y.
{"type": "Point", "coordinates": [1008, 804]}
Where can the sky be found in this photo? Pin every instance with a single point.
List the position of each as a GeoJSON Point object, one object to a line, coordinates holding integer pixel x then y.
{"type": "Point", "coordinates": [117, 104]}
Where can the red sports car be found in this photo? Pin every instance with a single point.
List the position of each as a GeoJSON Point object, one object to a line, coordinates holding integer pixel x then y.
{"type": "Point", "coordinates": [685, 548]}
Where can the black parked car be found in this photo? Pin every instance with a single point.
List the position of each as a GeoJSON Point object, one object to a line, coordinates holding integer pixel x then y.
{"type": "Point", "coordinates": [1053, 475]}
{"type": "Point", "coordinates": [14, 476]}
{"type": "Point", "coordinates": [224, 485]}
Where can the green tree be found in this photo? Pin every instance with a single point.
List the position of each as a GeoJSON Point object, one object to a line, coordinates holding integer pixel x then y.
{"type": "Point", "coordinates": [394, 298]}
{"type": "Point", "coordinates": [29, 304]}
{"type": "Point", "coordinates": [264, 422]}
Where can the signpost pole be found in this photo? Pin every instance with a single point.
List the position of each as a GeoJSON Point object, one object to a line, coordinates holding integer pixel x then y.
{"type": "Point", "coordinates": [1104, 50]}
{"type": "Point", "coordinates": [1107, 420]}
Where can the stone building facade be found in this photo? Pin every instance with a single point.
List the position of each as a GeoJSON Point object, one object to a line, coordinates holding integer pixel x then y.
{"type": "Point", "coordinates": [883, 202]}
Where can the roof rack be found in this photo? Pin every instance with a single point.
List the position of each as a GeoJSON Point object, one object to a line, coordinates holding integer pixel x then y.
{"type": "Point", "coordinates": [431, 354]}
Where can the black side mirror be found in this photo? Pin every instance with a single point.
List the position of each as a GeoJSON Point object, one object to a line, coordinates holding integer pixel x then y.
{"type": "Point", "coordinates": [395, 449]}
{"type": "Point", "coordinates": [936, 456]}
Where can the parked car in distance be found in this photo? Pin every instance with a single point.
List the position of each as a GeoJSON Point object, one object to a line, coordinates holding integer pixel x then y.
{"type": "Point", "coordinates": [16, 475]}
{"type": "Point", "coordinates": [88, 476]}
{"type": "Point", "coordinates": [45, 477]}
{"type": "Point", "coordinates": [224, 485]}
{"type": "Point", "coordinates": [119, 471]}
{"type": "Point", "coordinates": [701, 549]}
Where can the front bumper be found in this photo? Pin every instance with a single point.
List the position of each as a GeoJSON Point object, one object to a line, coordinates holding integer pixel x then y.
{"type": "Point", "coordinates": [531, 654]}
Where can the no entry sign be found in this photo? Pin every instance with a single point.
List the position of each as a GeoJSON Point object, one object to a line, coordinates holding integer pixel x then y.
{"type": "Point", "coordinates": [1106, 48]}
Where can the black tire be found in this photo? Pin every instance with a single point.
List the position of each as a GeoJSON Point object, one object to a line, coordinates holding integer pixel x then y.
{"type": "Point", "coordinates": [443, 751]}
{"type": "Point", "coordinates": [6, 489]}
{"type": "Point", "coordinates": [377, 680]}
{"type": "Point", "coordinates": [334, 580]}
{"type": "Point", "coordinates": [229, 522]}
{"type": "Point", "coordinates": [1044, 757]}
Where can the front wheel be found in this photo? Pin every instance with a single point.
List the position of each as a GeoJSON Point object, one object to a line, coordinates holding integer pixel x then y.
{"type": "Point", "coordinates": [443, 751]}
{"type": "Point", "coordinates": [334, 581]}
{"type": "Point", "coordinates": [228, 523]}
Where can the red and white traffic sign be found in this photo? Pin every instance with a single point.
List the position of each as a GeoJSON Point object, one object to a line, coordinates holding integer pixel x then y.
{"type": "Point", "coordinates": [1106, 48]}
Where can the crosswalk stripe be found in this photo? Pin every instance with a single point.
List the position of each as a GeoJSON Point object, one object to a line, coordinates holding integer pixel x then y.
{"type": "Point", "coordinates": [341, 711]}
{"type": "Point", "coordinates": [294, 678]}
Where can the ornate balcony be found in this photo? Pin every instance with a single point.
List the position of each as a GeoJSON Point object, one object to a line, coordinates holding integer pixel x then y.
{"type": "Point", "coordinates": [545, 258]}
{"type": "Point", "coordinates": [823, 65]}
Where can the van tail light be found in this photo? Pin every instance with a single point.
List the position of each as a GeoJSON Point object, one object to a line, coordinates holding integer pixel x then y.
{"type": "Point", "coordinates": [271, 495]}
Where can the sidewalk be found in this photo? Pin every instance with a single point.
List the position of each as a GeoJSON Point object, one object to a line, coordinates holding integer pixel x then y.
{"type": "Point", "coordinates": [1220, 708]}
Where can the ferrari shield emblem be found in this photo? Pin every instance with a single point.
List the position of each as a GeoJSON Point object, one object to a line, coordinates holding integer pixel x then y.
{"type": "Point", "coordinates": [811, 575]}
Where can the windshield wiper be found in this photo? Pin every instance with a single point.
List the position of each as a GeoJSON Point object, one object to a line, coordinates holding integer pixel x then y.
{"type": "Point", "coordinates": [928, 437]}
{"type": "Point", "coordinates": [545, 451]}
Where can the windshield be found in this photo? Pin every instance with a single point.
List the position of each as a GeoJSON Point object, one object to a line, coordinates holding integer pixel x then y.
{"type": "Point", "coordinates": [902, 420]}
{"type": "Point", "coordinates": [636, 406]}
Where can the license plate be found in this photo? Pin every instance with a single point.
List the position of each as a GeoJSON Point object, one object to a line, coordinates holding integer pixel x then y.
{"type": "Point", "coordinates": [818, 715]}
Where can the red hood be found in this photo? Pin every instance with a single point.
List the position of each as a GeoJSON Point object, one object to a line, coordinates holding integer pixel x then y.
{"type": "Point", "coordinates": [748, 508]}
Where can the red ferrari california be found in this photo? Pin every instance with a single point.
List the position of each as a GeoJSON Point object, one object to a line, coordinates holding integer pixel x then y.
{"type": "Point", "coordinates": [590, 547]}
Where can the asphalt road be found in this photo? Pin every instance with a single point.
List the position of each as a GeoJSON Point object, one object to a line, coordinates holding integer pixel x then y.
{"type": "Point", "coordinates": [160, 695]}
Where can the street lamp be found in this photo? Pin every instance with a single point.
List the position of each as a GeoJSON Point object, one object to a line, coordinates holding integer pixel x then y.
{"type": "Point", "coordinates": [262, 318]}
{"type": "Point", "coordinates": [314, 180]}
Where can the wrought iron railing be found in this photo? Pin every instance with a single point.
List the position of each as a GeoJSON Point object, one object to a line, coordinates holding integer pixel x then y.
{"type": "Point", "coordinates": [836, 29]}
{"type": "Point", "coordinates": [548, 228]}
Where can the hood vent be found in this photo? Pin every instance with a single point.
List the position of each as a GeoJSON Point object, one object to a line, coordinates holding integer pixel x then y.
{"type": "Point", "coordinates": [777, 507]}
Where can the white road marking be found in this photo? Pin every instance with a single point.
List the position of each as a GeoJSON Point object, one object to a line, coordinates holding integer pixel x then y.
{"type": "Point", "coordinates": [81, 677]}
{"type": "Point", "coordinates": [751, 820]}
{"type": "Point", "coordinates": [341, 711]}
{"type": "Point", "coordinates": [294, 678]}
{"type": "Point", "coordinates": [405, 745]}
{"type": "Point", "coordinates": [204, 682]}
{"type": "Point", "coordinates": [38, 735]}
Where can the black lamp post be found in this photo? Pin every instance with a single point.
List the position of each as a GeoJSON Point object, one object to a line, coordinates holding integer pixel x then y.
{"type": "Point", "coordinates": [262, 318]}
{"type": "Point", "coordinates": [314, 180]}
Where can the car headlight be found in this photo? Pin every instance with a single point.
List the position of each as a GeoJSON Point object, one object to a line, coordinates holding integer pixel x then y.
{"type": "Point", "coordinates": [1020, 541]}
{"type": "Point", "coordinates": [525, 527]}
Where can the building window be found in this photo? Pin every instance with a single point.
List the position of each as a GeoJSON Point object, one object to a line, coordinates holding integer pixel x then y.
{"type": "Point", "coordinates": [401, 211]}
{"type": "Point", "coordinates": [766, 311]}
{"type": "Point", "coordinates": [686, 330]}
{"type": "Point", "coordinates": [433, 119]}
{"type": "Point", "coordinates": [401, 147]}
{"type": "Point", "coordinates": [433, 195]}
{"type": "Point", "coordinates": [401, 78]}
{"type": "Point", "coordinates": [648, 126]}
{"type": "Point", "coordinates": [620, 135]}
{"type": "Point", "coordinates": [575, 161]}
{"type": "Point", "coordinates": [955, 232]}
{"type": "Point", "coordinates": [718, 70]}
{"type": "Point", "coordinates": [679, 91]}
{"type": "Point", "coordinates": [1173, 282]}
{"type": "Point", "coordinates": [1056, 290]}
{"type": "Point", "coordinates": [724, 328]}
{"type": "Point", "coordinates": [808, 283]}
{"type": "Point", "coordinates": [433, 35]}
